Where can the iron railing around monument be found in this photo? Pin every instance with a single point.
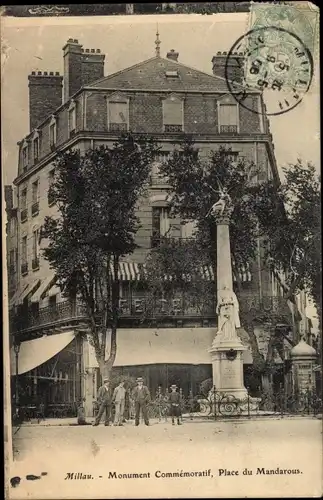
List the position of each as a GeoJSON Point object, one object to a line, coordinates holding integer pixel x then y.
{"type": "Point", "coordinates": [222, 405]}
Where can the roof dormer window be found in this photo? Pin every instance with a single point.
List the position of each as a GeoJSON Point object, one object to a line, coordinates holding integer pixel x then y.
{"type": "Point", "coordinates": [172, 74]}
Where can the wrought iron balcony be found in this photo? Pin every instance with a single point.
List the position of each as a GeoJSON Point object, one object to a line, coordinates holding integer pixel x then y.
{"type": "Point", "coordinates": [35, 208]}
{"type": "Point", "coordinates": [24, 268]}
{"type": "Point", "coordinates": [173, 128]}
{"type": "Point", "coordinates": [158, 180]}
{"type": "Point", "coordinates": [46, 316]}
{"type": "Point", "coordinates": [228, 129]}
{"type": "Point", "coordinates": [35, 263]}
{"type": "Point", "coordinates": [24, 215]}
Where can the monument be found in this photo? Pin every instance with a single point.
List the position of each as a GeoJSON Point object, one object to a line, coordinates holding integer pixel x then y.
{"type": "Point", "coordinates": [227, 349]}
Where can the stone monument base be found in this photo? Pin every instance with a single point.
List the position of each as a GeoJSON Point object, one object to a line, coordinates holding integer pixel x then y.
{"type": "Point", "coordinates": [227, 366]}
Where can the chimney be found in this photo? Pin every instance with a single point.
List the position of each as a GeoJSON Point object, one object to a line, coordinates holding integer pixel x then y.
{"type": "Point", "coordinates": [92, 65]}
{"type": "Point", "coordinates": [234, 65]}
{"type": "Point", "coordinates": [172, 55]}
{"type": "Point", "coordinates": [45, 96]}
{"type": "Point", "coordinates": [72, 67]}
{"type": "Point", "coordinates": [8, 196]}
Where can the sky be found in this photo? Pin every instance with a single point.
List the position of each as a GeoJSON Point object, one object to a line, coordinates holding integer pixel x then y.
{"type": "Point", "coordinates": [36, 45]}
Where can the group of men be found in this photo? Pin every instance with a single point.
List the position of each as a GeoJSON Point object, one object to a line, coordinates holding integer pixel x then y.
{"type": "Point", "coordinates": [141, 397]}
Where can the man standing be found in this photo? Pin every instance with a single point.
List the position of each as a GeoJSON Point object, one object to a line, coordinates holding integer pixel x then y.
{"type": "Point", "coordinates": [141, 397]}
{"type": "Point", "coordinates": [174, 399]}
{"type": "Point", "coordinates": [119, 397]}
{"type": "Point", "coordinates": [105, 402]}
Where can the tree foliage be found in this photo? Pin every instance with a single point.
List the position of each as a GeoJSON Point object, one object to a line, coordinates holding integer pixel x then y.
{"type": "Point", "coordinates": [97, 194]}
{"type": "Point", "coordinates": [281, 218]}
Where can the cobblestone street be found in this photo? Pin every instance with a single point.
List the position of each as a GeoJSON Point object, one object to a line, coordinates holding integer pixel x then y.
{"type": "Point", "coordinates": [288, 444]}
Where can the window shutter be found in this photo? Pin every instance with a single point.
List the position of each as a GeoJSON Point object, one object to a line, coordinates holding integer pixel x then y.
{"type": "Point", "coordinates": [173, 112]}
{"type": "Point", "coordinates": [118, 112]}
{"type": "Point", "coordinates": [228, 114]}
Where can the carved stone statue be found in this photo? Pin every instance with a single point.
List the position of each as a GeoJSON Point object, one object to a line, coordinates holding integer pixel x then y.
{"type": "Point", "coordinates": [228, 313]}
{"type": "Point", "coordinates": [219, 207]}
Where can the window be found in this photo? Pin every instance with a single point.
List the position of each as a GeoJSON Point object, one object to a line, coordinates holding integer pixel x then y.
{"type": "Point", "coordinates": [35, 203]}
{"type": "Point", "coordinates": [25, 157]}
{"type": "Point", "coordinates": [160, 223]}
{"type": "Point", "coordinates": [51, 178]}
{"type": "Point", "coordinates": [24, 199]}
{"type": "Point", "coordinates": [36, 149]}
{"type": "Point", "coordinates": [24, 264]}
{"type": "Point", "coordinates": [173, 114]}
{"type": "Point", "coordinates": [23, 205]}
{"type": "Point", "coordinates": [35, 191]}
{"type": "Point", "coordinates": [35, 261]}
{"type": "Point", "coordinates": [72, 118]}
{"type": "Point", "coordinates": [118, 116]}
{"type": "Point", "coordinates": [12, 261]}
{"type": "Point", "coordinates": [52, 134]}
{"type": "Point", "coordinates": [13, 227]}
{"type": "Point", "coordinates": [228, 118]}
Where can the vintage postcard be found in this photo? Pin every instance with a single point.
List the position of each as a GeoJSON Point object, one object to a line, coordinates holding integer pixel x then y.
{"type": "Point", "coordinates": [162, 269]}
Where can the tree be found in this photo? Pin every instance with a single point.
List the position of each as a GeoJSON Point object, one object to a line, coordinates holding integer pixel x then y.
{"type": "Point", "coordinates": [97, 194]}
{"type": "Point", "coordinates": [259, 211]}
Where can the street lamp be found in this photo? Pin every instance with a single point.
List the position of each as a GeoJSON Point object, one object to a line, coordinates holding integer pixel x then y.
{"type": "Point", "coordinates": [16, 346]}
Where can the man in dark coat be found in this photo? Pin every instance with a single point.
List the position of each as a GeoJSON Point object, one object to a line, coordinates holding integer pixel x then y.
{"type": "Point", "coordinates": [141, 397]}
{"type": "Point", "coordinates": [105, 401]}
{"type": "Point", "coordinates": [174, 399]}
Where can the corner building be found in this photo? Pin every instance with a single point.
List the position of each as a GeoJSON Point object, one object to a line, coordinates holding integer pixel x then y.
{"type": "Point", "coordinates": [84, 109]}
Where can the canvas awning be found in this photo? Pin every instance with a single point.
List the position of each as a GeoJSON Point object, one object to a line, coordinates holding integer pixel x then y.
{"type": "Point", "coordinates": [148, 346]}
{"type": "Point", "coordinates": [34, 353]}
{"type": "Point", "coordinates": [46, 283]}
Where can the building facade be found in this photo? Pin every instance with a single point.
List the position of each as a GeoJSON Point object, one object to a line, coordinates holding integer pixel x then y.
{"type": "Point", "coordinates": [84, 109]}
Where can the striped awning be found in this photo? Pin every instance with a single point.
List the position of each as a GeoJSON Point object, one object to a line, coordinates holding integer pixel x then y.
{"type": "Point", "coordinates": [132, 271]}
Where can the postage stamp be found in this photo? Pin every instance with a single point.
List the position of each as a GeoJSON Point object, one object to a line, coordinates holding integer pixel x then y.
{"type": "Point", "coordinates": [277, 63]}
{"type": "Point", "coordinates": [298, 18]}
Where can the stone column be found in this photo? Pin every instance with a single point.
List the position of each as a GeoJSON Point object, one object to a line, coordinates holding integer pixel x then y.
{"type": "Point", "coordinates": [227, 349]}
{"type": "Point", "coordinates": [303, 357]}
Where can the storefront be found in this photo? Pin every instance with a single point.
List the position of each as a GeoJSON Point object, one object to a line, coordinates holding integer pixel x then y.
{"type": "Point", "coordinates": [49, 375]}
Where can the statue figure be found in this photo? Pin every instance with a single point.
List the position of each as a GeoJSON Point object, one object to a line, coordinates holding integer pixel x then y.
{"type": "Point", "coordinates": [219, 207]}
{"type": "Point", "coordinates": [228, 313]}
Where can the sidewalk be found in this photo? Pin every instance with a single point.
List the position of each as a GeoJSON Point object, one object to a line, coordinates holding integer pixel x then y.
{"type": "Point", "coordinates": [72, 421]}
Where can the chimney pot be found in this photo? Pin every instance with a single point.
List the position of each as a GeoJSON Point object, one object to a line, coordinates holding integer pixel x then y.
{"type": "Point", "coordinates": [92, 51]}
{"type": "Point", "coordinates": [87, 50]}
{"type": "Point", "coordinates": [33, 72]}
{"type": "Point", "coordinates": [75, 41]}
{"type": "Point", "coordinates": [172, 55]}
{"type": "Point", "coordinates": [39, 73]}
{"type": "Point", "coordinates": [51, 73]}
{"type": "Point", "coordinates": [57, 73]}
{"type": "Point", "coordinates": [98, 51]}
{"type": "Point", "coordinates": [45, 73]}
{"type": "Point", "coordinates": [70, 40]}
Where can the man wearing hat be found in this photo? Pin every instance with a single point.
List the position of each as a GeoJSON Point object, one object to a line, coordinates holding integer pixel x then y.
{"type": "Point", "coordinates": [174, 399]}
{"type": "Point", "coordinates": [141, 397]}
{"type": "Point", "coordinates": [105, 402]}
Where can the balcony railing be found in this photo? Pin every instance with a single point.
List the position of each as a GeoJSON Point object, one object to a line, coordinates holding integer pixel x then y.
{"type": "Point", "coordinates": [35, 263]}
{"type": "Point", "coordinates": [47, 316]}
{"type": "Point", "coordinates": [35, 208]}
{"type": "Point", "coordinates": [228, 129]}
{"type": "Point", "coordinates": [24, 268]}
{"type": "Point", "coordinates": [173, 128]}
{"type": "Point", "coordinates": [118, 127]}
{"type": "Point", "coordinates": [158, 180]}
{"type": "Point", "coordinates": [140, 306]}
{"type": "Point", "coordinates": [24, 215]}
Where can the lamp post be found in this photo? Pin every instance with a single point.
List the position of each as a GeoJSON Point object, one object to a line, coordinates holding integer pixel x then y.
{"type": "Point", "coordinates": [16, 346]}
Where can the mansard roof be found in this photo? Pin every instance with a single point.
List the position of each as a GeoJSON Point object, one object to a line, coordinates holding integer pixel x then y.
{"type": "Point", "coordinates": [151, 75]}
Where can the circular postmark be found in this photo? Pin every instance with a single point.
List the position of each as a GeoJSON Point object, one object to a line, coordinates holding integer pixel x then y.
{"type": "Point", "coordinates": [272, 61]}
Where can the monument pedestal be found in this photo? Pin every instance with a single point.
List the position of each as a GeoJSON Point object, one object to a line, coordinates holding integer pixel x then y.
{"type": "Point", "coordinates": [227, 366]}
